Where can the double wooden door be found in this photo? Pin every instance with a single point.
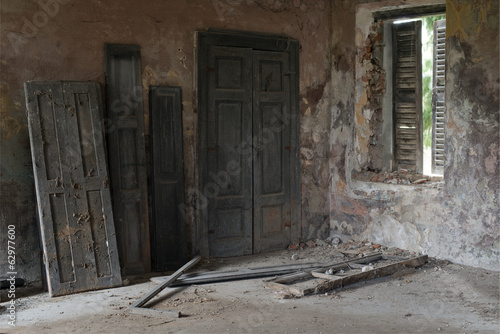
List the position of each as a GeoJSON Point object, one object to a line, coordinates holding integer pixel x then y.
{"type": "Point", "coordinates": [247, 139]}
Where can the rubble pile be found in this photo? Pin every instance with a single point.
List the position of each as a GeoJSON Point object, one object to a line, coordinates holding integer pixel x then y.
{"type": "Point", "coordinates": [401, 176]}
{"type": "Point", "coordinates": [349, 248]}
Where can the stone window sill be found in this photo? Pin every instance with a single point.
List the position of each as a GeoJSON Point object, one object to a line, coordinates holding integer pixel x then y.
{"type": "Point", "coordinates": [396, 180]}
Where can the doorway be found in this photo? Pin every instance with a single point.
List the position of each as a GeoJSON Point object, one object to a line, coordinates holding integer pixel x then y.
{"type": "Point", "coordinates": [249, 137]}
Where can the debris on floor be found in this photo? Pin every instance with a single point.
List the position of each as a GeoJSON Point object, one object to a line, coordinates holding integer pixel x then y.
{"type": "Point", "coordinates": [341, 248]}
{"type": "Point", "coordinates": [343, 273]}
{"type": "Point", "coordinates": [345, 262]}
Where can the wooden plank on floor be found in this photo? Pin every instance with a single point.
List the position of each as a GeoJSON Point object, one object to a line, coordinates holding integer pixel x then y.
{"type": "Point", "coordinates": [168, 282]}
{"type": "Point", "coordinates": [336, 266]}
{"type": "Point", "coordinates": [336, 281]}
{"type": "Point", "coordinates": [292, 277]}
{"type": "Point", "coordinates": [370, 274]}
{"type": "Point", "coordinates": [289, 289]}
{"type": "Point", "coordinates": [324, 276]}
{"type": "Point", "coordinates": [246, 273]}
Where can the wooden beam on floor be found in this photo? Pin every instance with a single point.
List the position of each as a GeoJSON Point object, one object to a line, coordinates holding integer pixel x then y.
{"type": "Point", "coordinates": [231, 275]}
{"type": "Point", "coordinates": [337, 281]}
{"type": "Point", "coordinates": [370, 274]}
{"type": "Point", "coordinates": [136, 307]}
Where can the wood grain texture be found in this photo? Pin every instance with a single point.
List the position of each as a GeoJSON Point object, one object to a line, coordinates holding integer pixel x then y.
{"type": "Point", "coordinates": [71, 180]}
{"type": "Point", "coordinates": [168, 226]}
{"type": "Point", "coordinates": [127, 155]}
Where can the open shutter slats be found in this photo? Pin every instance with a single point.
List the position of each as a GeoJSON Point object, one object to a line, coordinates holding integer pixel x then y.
{"type": "Point", "coordinates": [407, 96]}
{"type": "Point", "coordinates": [438, 94]}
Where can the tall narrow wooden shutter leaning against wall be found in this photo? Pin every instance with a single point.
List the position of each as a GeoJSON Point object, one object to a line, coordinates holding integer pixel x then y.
{"type": "Point", "coordinates": [127, 156]}
{"type": "Point", "coordinates": [407, 99]}
{"type": "Point", "coordinates": [438, 94]}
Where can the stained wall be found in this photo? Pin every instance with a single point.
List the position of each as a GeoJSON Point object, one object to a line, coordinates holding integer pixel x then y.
{"type": "Point", "coordinates": [457, 220]}
{"type": "Point", "coordinates": [64, 40]}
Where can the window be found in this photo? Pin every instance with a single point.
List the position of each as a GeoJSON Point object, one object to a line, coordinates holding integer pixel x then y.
{"type": "Point", "coordinates": [418, 86]}
{"type": "Point", "coordinates": [399, 100]}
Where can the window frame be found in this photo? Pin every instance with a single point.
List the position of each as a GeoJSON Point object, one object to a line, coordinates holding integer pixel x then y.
{"type": "Point", "coordinates": [369, 135]}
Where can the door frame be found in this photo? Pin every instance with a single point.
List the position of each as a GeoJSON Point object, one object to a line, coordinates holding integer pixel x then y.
{"type": "Point", "coordinates": [261, 42]}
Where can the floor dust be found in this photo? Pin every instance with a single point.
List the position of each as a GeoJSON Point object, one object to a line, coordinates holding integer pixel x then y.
{"type": "Point", "coordinates": [438, 297]}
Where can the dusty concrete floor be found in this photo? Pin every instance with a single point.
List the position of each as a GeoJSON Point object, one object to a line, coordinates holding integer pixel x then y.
{"type": "Point", "coordinates": [439, 297]}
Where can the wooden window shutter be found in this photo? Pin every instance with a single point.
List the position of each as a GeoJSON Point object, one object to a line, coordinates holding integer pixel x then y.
{"type": "Point", "coordinates": [438, 106]}
{"type": "Point", "coordinates": [407, 96]}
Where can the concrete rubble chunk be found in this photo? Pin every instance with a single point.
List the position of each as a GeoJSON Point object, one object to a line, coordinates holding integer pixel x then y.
{"type": "Point", "coordinates": [334, 240]}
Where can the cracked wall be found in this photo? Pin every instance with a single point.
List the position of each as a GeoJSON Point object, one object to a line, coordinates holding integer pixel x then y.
{"type": "Point", "coordinates": [459, 220]}
{"type": "Point", "coordinates": [65, 41]}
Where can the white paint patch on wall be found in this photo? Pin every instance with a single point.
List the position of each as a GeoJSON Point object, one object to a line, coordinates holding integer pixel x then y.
{"type": "Point", "coordinates": [390, 232]}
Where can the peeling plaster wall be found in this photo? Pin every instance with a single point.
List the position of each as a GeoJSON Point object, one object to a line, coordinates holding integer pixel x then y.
{"type": "Point", "coordinates": [460, 221]}
{"type": "Point", "coordinates": [65, 41]}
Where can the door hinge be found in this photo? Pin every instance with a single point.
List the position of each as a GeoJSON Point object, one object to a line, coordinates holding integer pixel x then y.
{"type": "Point", "coordinates": [210, 69]}
{"type": "Point", "coordinates": [288, 148]}
{"type": "Point", "coordinates": [211, 232]}
{"type": "Point", "coordinates": [210, 149]}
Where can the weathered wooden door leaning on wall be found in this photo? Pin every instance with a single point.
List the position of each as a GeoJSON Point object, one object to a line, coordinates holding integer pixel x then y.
{"type": "Point", "coordinates": [72, 186]}
{"type": "Point", "coordinates": [168, 226]}
{"type": "Point", "coordinates": [127, 156]}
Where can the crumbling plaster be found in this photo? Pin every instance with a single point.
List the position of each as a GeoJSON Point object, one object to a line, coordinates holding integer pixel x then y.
{"type": "Point", "coordinates": [65, 41]}
{"type": "Point", "coordinates": [459, 221]}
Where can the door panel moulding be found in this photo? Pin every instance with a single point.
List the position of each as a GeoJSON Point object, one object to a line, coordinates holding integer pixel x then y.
{"type": "Point", "coordinates": [72, 186]}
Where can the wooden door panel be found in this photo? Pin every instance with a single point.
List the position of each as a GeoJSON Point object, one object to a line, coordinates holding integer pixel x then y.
{"type": "Point", "coordinates": [229, 172]}
{"type": "Point", "coordinates": [273, 139]}
{"type": "Point", "coordinates": [62, 271]}
{"type": "Point", "coordinates": [230, 130]}
{"type": "Point", "coordinates": [127, 156]}
{"type": "Point", "coordinates": [95, 200]}
{"type": "Point", "coordinates": [71, 181]}
{"type": "Point", "coordinates": [168, 235]}
{"type": "Point", "coordinates": [272, 170]}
